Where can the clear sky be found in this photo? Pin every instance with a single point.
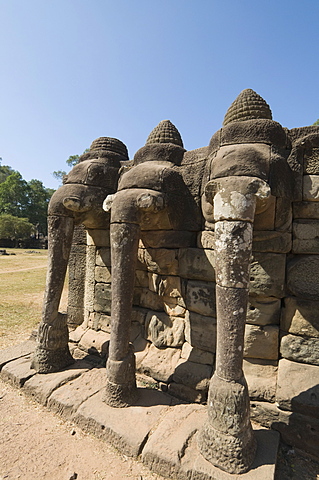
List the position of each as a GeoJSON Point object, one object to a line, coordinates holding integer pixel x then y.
{"type": "Point", "coordinates": [75, 70]}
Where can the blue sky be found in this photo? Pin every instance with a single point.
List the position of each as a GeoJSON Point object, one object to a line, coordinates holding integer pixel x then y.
{"type": "Point", "coordinates": [75, 70]}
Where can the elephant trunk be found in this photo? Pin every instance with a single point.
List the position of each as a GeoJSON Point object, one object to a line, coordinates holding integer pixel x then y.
{"type": "Point", "coordinates": [52, 350]}
{"type": "Point", "coordinates": [127, 210]}
{"type": "Point", "coordinates": [227, 438]}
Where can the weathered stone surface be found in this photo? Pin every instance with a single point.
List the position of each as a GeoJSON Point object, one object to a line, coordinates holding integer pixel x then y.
{"type": "Point", "coordinates": [95, 342]}
{"type": "Point", "coordinates": [232, 451]}
{"type": "Point", "coordinates": [261, 377]}
{"type": "Point", "coordinates": [300, 431]}
{"type": "Point", "coordinates": [66, 399]}
{"type": "Point", "coordinates": [136, 330]}
{"type": "Point", "coordinates": [197, 264]}
{"type": "Point", "coordinates": [233, 240]}
{"type": "Point", "coordinates": [12, 353]}
{"type": "Point", "coordinates": [310, 188]}
{"type": "Point", "coordinates": [206, 240]}
{"type": "Point", "coordinates": [194, 465]}
{"type": "Point", "coordinates": [103, 257]}
{"type": "Point", "coordinates": [272, 241]}
{"type": "Point", "coordinates": [125, 428]}
{"type": "Point", "coordinates": [263, 311]}
{"type": "Point", "coordinates": [201, 297]}
{"type": "Point", "coordinates": [300, 349]}
{"type": "Point", "coordinates": [166, 445]}
{"type": "Point", "coordinates": [161, 260]}
{"type": "Point", "coordinates": [143, 297]}
{"type": "Point", "coordinates": [261, 342]}
{"type": "Point", "coordinates": [194, 375]}
{"type": "Point", "coordinates": [300, 317]}
{"type": "Point", "coordinates": [267, 274]}
{"type": "Point", "coordinates": [303, 276]}
{"type": "Point", "coordinates": [240, 159]}
{"type": "Point", "coordinates": [188, 394]}
{"type": "Point", "coordinates": [75, 314]}
{"type": "Point", "coordinates": [196, 355]}
{"type": "Point", "coordinates": [305, 236]}
{"type": "Point", "coordinates": [166, 286]}
{"type": "Point", "coordinates": [18, 371]}
{"type": "Point", "coordinates": [89, 278]}
{"type": "Point", "coordinates": [98, 237]}
{"type": "Point", "coordinates": [306, 210]}
{"type": "Point", "coordinates": [160, 363]}
{"type": "Point", "coordinates": [200, 331]}
{"type": "Point", "coordinates": [102, 298]}
{"type": "Point", "coordinates": [76, 335]}
{"type": "Point", "coordinates": [283, 216]}
{"type": "Point", "coordinates": [77, 273]}
{"type": "Point", "coordinates": [298, 388]}
{"type": "Point", "coordinates": [266, 219]}
{"type": "Point", "coordinates": [311, 160]}
{"type": "Point", "coordinates": [168, 239]}
{"type": "Point", "coordinates": [139, 315]}
{"type": "Point", "coordinates": [231, 315]}
{"type": "Point", "coordinates": [141, 347]}
{"type": "Point", "coordinates": [99, 321]}
{"type": "Point", "coordinates": [40, 386]}
{"type": "Point", "coordinates": [141, 278]}
{"type": "Point", "coordinates": [103, 274]}
{"type": "Point", "coordinates": [164, 331]}
{"type": "Point", "coordinates": [174, 306]}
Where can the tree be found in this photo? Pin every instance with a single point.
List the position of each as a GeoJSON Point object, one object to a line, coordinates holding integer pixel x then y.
{"type": "Point", "coordinates": [25, 200]}
{"type": "Point", "coordinates": [14, 195]}
{"type": "Point", "coordinates": [5, 171]}
{"type": "Point", "coordinates": [71, 162]}
{"type": "Point", "coordinates": [37, 207]}
{"type": "Point", "coordinates": [15, 228]}
{"type": "Point", "coordinates": [316, 123]}
{"type": "Point", "coordinates": [59, 174]}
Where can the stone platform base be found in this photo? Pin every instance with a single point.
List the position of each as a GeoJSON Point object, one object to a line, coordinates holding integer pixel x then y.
{"type": "Point", "coordinates": [159, 429]}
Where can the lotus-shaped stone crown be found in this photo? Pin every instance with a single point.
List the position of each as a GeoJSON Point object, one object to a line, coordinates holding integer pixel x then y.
{"type": "Point", "coordinates": [111, 144]}
{"type": "Point", "coordinates": [247, 106]}
{"type": "Point", "coordinates": [165, 132]}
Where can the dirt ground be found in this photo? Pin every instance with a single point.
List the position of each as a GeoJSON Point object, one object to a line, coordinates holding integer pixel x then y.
{"type": "Point", "coordinates": [37, 445]}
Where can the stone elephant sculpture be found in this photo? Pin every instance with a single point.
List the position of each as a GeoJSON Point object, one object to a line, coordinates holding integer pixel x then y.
{"type": "Point", "coordinates": [248, 174]}
{"type": "Point", "coordinates": [78, 201]}
{"type": "Point", "coordinates": [246, 167]}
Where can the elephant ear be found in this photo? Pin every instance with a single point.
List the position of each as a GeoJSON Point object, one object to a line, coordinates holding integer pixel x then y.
{"type": "Point", "coordinates": [304, 154]}
{"type": "Point", "coordinates": [247, 106]}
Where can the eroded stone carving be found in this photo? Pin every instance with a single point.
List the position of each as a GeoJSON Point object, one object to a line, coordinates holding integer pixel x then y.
{"type": "Point", "coordinates": [78, 201]}
{"type": "Point", "coordinates": [214, 226]}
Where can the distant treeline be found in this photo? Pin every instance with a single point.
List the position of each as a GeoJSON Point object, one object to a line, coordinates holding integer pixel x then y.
{"type": "Point", "coordinates": [23, 210]}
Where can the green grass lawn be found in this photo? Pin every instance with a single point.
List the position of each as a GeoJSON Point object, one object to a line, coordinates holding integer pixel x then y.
{"type": "Point", "coordinates": [22, 283]}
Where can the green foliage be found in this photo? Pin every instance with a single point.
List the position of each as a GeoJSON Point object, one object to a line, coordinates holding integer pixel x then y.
{"type": "Point", "coordinates": [59, 174]}
{"type": "Point", "coordinates": [30, 200]}
{"type": "Point", "coordinates": [74, 159]}
{"type": "Point", "coordinates": [5, 171]}
{"type": "Point", "coordinates": [71, 162]}
{"type": "Point", "coordinates": [14, 195]}
{"type": "Point", "coordinates": [15, 228]}
{"type": "Point", "coordinates": [316, 123]}
{"type": "Point", "coordinates": [38, 200]}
